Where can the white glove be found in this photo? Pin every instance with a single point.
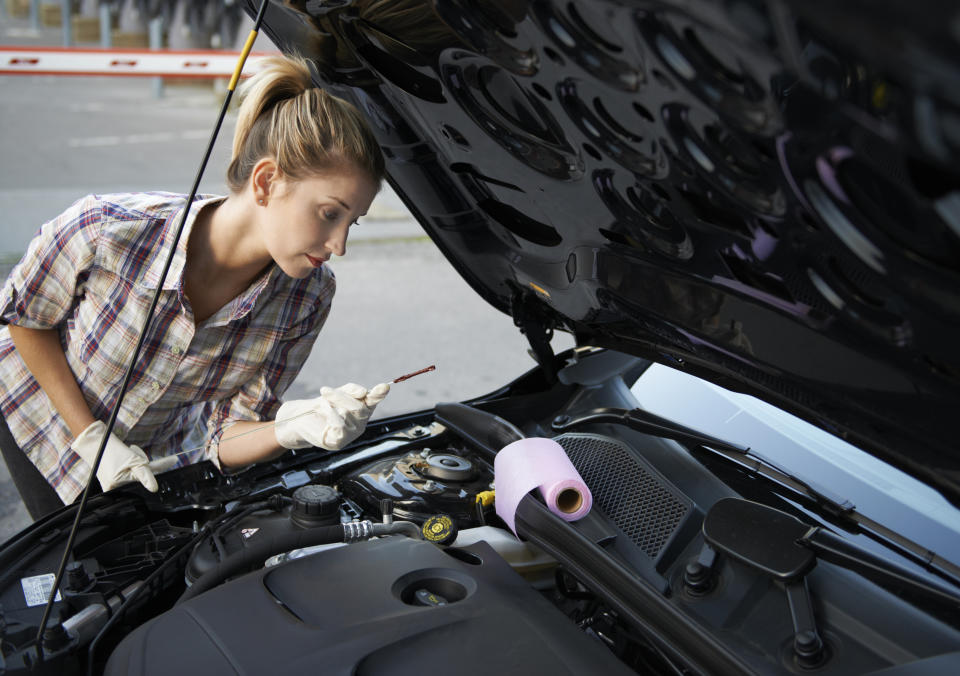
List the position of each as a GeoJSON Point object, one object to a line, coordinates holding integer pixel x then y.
{"type": "Point", "coordinates": [163, 464]}
{"type": "Point", "coordinates": [332, 420]}
{"type": "Point", "coordinates": [121, 464]}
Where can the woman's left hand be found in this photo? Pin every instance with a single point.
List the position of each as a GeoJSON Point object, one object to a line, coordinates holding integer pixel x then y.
{"type": "Point", "coordinates": [332, 420]}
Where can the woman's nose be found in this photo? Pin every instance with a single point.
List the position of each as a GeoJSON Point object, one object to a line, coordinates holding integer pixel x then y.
{"type": "Point", "coordinates": [337, 241]}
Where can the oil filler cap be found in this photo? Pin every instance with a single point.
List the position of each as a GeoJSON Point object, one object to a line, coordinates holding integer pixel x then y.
{"type": "Point", "coordinates": [315, 505]}
{"type": "Point", "coordinates": [439, 529]}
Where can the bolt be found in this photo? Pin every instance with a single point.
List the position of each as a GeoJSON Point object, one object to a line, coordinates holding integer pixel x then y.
{"type": "Point", "coordinates": [809, 649]}
{"type": "Point", "coordinates": [77, 577]}
{"type": "Point", "coordinates": [696, 577]}
{"type": "Point", "coordinates": [55, 637]}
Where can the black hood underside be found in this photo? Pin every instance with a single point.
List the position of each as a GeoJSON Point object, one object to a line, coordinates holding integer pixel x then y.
{"type": "Point", "coordinates": [764, 194]}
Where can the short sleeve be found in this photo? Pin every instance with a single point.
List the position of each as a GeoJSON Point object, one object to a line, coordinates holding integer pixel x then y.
{"type": "Point", "coordinates": [39, 293]}
{"type": "Point", "coordinates": [259, 398]}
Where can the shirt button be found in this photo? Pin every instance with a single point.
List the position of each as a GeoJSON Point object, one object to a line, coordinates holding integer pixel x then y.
{"type": "Point", "coordinates": [155, 385]}
{"type": "Point", "coordinates": [176, 349]}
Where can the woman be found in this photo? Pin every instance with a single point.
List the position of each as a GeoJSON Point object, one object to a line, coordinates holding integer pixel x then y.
{"type": "Point", "coordinates": [245, 297]}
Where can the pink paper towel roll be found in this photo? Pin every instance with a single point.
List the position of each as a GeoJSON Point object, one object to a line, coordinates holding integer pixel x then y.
{"type": "Point", "coordinates": [539, 463]}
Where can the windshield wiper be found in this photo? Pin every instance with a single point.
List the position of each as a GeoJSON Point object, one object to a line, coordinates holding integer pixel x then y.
{"type": "Point", "coordinates": [757, 465]}
{"type": "Point", "coordinates": [649, 423]}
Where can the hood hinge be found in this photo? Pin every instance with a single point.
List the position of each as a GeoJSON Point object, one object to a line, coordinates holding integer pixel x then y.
{"type": "Point", "coordinates": [529, 315]}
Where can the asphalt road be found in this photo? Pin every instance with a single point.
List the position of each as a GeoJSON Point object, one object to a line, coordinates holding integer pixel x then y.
{"type": "Point", "coordinates": [400, 306]}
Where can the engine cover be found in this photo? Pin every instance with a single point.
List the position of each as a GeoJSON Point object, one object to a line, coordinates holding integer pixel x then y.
{"type": "Point", "coordinates": [358, 610]}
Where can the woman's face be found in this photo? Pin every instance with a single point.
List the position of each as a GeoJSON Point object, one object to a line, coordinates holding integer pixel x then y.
{"type": "Point", "coordinates": [306, 221]}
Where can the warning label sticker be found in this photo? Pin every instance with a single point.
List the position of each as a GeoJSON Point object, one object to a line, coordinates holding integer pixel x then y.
{"type": "Point", "coordinates": [36, 589]}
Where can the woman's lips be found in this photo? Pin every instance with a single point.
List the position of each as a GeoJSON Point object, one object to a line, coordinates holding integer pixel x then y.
{"type": "Point", "coordinates": [315, 262]}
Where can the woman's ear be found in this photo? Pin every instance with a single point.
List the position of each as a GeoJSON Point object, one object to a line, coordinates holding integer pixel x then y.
{"type": "Point", "coordinates": [265, 180]}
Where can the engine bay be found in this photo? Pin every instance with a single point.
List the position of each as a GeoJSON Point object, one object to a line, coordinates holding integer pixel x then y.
{"type": "Point", "coordinates": [368, 559]}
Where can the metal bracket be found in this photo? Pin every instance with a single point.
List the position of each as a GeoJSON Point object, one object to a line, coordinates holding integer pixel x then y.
{"type": "Point", "coordinates": [537, 326]}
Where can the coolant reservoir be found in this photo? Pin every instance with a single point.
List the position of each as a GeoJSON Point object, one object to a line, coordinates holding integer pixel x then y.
{"type": "Point", "coordinates": [530, 561]}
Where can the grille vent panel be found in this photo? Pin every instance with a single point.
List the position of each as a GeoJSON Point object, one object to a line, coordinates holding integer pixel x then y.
{"type": "Point", "coordinates": [637, 499]}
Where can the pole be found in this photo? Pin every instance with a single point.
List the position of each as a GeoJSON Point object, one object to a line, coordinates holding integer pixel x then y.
{"type": "Point", "coordinates": [156, 42]}
{"type": "Point", "coordinates": [66, 23]}
{"type": "Point", "coordinates": [105, 35]}
{"type": "Point", "coordinates": [35, 15]}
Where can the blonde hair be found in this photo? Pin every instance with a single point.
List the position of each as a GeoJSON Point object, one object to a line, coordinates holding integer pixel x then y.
{"type": "Point", "coordinates": [304, 129]}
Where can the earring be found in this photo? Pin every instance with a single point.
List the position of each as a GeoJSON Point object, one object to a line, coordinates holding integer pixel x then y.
{"type": "Point", "coordinates": [260, 201]}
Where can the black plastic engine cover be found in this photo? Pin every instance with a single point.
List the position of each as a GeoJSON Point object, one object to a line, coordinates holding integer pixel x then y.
{"type": "Point", "coordinates": [352, 611]}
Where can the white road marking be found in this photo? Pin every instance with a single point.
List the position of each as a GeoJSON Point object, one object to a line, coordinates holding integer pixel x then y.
{"type": "Point", "coordinates": [135, 139]}
{"type": "Point", "coordinates": [87, 107]}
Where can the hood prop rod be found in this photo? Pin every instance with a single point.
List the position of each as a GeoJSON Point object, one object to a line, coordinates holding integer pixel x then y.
{"type": "Point", "coordinates": [143, 330]}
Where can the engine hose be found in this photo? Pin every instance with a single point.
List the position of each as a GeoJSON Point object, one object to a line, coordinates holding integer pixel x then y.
{"type": "Point", "coordinates": [254, 555]}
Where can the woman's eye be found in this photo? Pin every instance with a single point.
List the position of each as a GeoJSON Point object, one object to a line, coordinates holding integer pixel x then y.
{"type": "Point", "coordinates": [330, 215]}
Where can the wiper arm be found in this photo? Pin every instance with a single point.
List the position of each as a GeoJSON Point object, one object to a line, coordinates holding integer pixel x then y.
{"type": "Point", "coordinates": [837, 550]}
{"type": "Point", "coordinates": [744, 457]}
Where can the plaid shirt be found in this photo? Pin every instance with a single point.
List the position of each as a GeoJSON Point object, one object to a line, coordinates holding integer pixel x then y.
{"type": "Point", "coordinates": [91, 272]}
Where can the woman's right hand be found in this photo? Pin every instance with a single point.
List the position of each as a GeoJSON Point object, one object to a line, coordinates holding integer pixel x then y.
{"type": "Point", "coordinates": [332, 420]}
{"type": "Point", "coordinates": [121, 464]}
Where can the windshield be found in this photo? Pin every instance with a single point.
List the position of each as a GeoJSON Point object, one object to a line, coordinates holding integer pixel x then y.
{"type": "Point", "coordinates": [878, 490]}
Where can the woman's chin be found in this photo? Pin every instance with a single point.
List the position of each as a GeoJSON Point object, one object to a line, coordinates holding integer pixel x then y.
{"type": "Point", "coordinates": [298, 271]}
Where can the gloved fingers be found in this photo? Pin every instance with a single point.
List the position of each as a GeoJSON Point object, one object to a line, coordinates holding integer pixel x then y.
{"type": "Point", "coordinates": [143, 474]}
{"type": "Point", "coordinates": [161, 465]}
{"type": "Point", "coordinates": [342, 402]}
{"type": "Point", "coordinates": [333, 439]}
{"type": "Point", "coordinates": [358, 392]}
{"type": "Point", "coordinates": [377, 394]}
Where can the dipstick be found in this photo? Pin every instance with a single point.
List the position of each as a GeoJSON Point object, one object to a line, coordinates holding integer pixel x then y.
{"type": "Point", "coordinates": [432, 367]}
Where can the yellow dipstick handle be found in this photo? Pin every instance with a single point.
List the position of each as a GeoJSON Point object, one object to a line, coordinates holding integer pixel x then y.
{"type": "Point", "coordinates": [243, 57]}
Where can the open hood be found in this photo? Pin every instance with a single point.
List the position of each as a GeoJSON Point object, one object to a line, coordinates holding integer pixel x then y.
{"type": "Point", "coordinates": [763, 194]}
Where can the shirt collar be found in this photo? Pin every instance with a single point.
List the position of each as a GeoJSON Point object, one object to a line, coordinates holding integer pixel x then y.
{"type": "Point", "coordinates": [241, 306]}
{"type": "Point", "coordinates": [174, 278]}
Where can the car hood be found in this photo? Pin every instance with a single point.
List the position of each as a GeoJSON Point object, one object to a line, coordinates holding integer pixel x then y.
{"type": "Point", "coordinates": [765, 196]}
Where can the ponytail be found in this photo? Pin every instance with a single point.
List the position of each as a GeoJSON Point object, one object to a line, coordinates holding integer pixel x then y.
{"type": "Point", "coordinates": [303, 128]}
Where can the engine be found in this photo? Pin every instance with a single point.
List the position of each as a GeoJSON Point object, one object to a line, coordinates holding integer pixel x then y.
{"type": "Point", "coordinates": [412, 487]}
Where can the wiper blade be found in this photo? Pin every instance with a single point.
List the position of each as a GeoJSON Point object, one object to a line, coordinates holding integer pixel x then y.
{"type": "Point", "coordinates": [649, 423]}
{"type": "Point", "coordinates": [644, 421]}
